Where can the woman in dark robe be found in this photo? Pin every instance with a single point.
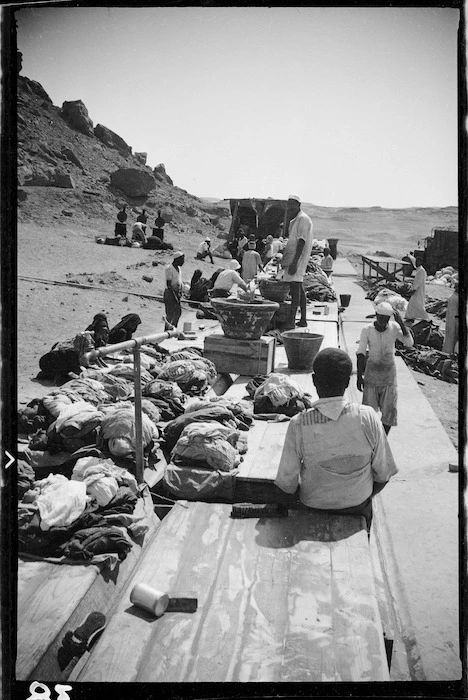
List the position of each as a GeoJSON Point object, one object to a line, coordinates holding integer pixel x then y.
{"type": "Point", "coordinates": [124, 329]}
{"type": "Point", "coordinates": [100, 328]}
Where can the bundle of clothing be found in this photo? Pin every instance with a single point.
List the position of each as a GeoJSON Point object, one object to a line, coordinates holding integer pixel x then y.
{"type": "Point", "coordinates": [316, 284]}
{"type": "Point", "coordinates": [427, 333]}
{"type": "Point", "coordinates": [194, 374]}
{"type": "Point", "coordinates": [278, 393]}
{"type": "Point", "coordinates": [200, 286]}
{"type": "Point", "coordinates": [396, 301]}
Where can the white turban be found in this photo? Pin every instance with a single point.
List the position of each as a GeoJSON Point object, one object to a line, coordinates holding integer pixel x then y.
{"type": "Point", "coordinates": [234, 265]}
{"type": "Point", "coordinates": [295, 196]}
{"type": "Point", "coordinates": [384, 309]}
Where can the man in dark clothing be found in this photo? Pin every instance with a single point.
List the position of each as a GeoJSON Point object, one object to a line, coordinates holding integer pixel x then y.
{"type": "Point", "coordinates": [142, 219]}
{"type": "Point", "coordinates": [159, 226]}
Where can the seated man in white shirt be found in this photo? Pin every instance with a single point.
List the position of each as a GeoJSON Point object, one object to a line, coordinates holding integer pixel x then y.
{"type": "Point", "coordinates": [337, 451]}
{"type": "Point", "coordinates": [204, 250]}
{"type": "Point", "coordinates": [226, 280]}
{"type": "Point", "coordinates": [327, 262]}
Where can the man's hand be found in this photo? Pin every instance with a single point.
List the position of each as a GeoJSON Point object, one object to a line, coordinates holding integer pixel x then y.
{"type": "Point", "coordinates": [360, 382]}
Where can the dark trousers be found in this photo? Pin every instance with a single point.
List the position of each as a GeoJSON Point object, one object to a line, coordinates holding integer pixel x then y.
{"type": "Point", "coordinates": [298, 299]}
{"type": "Point", "coordinates": [364, 508]}
{"type": "Point", "coordinates": [172, 307]}
{"type": "Point", "coordinates": [202, 256]}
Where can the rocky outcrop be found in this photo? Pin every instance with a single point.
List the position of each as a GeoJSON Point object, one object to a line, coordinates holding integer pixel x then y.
{"type": "Point", "coordinates": [76, 115]}
{"type": "Point", "coordinates": [69, 155]}
{"type": "Point", "coordinates": [34, 88]}
{"type": "Point", "coordinates": [45, 177]}
{"type": "Point", "coordinates": [111, 139]}
{"type": "Point", "coordinates": [141, 157]}
{"type": "Point", "coordinates": [160, 174]}
{"type": "Point", "coordinates": [133, 182]}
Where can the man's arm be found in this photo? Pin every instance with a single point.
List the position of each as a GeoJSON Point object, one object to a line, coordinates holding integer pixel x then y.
{"type": "Point", "coordinates": [361, 359]}
{"type": "Point", "coordinates": [382, 463]}
{"type": "Point", "coordinates": [299, 248]}
{"type": "Point", "coordinates": [406, 336]}
{"type": "Point", "coordinates": [287, 478]}
{"type": "Point", "coordinates": [237, 279]}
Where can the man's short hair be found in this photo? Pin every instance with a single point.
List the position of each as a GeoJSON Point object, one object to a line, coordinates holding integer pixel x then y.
{"type": "Point", "coordinates": [332, 366]}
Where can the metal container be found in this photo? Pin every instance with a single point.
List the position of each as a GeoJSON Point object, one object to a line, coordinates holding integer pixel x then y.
{"type": "Point", "coordinates": [149, 598]}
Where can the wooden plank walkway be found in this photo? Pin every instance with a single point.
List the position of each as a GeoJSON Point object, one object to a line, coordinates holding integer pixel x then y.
{"type": "Point", "coordinates": [288, 599]}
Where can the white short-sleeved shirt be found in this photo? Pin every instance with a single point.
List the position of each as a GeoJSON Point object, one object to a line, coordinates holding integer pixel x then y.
{"type": "Point", "coordinates": [226, 279]}
{"type": "Point", "coordinates": [335, 451]}
{"type": "Point", "coordinates": [174, 277]}
{"type": "Point", "coordinates": [300, 227]}
{"type": "Point", "coordinates": [380, 366]}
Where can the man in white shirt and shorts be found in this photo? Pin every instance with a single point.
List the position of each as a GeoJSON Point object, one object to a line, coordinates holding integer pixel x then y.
{"type": "Point", "coordinates": [295, 258]}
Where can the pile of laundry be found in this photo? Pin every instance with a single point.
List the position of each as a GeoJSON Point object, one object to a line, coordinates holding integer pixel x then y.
{"type": "Point", "coordinates": [92, 417]}
{"type": "Point", "coordinates": [437, 307]}
{"type": "Point", "coordinates": [446, 277]}
{"type": "Point", "coordinates": [88, 517]}
{"type": "Point", "coordinates": [432, 362]}
{"type": "Point", "coordinates": [428, 334]}
{"type": "Point", "coordinates": [204, 447]}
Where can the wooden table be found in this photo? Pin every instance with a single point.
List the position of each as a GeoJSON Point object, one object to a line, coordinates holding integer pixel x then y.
{"type": "Point", "coordinates": [279, 599]}
{"type": "Point", "coordinates": [376, 264]}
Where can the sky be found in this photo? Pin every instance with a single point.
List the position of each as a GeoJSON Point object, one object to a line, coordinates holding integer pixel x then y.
{"type": "Point", "coordinates": [342, 106]}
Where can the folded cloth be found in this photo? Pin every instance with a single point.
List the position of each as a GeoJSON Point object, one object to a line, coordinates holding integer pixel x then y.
{"type": "Point", "coordinates": [120, 425]}
{"type": "Point", "coordinates": [61, 501]}
{"type": "Point", "coordinates": [199, 484]}
{"type": "Point", "coordinates": [175, 427]}
{"type": "Point", "coordinates": [209, 443]}
{"type": "Point", "coordinates": [92, 465]}
{"type": "Point", "coordinates": [242, 409]}
{"type": "Point", "coordinates": [72, 419]}
{"type": "Point", "coordinates": [160, 388]}
{"type": "Point", "coordinates": [25, 477]}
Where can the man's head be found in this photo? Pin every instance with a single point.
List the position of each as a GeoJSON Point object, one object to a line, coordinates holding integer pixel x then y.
{"type": "Point", "coordinates": [178, 258]}
{"type": "Point", "coordinates": [294, 204]}
{"type": "Point", "coordinates": [251, 245]}
{"type": "Point", "coordinates": [234, 265]}
{"type": "Point", "coordinates": [326, 251]}
{"type": "Point", "coordinates": [383, 313]}
{"type": "Point", "coordinates": [331, 372]}
{"type": "Point", "coordinates": [207, 240]}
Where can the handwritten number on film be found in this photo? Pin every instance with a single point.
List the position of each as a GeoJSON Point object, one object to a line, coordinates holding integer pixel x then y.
{"type": "Point", "coordinates": [39, 691]}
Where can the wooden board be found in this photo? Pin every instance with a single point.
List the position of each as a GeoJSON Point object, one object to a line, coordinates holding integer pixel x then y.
{"type": "Point", "coordinates": [288, 599]}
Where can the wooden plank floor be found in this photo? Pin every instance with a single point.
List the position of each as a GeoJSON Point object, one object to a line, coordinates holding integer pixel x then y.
{"type": "Point", "coordinates": [288, 599]}
{"type": "Point", "coordinates": [55, 598]}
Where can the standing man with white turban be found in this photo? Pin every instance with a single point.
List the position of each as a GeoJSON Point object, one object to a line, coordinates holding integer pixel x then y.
{"type": "Point", "coordinates": [376, 376]}
{"type": "Point", "coordinates": [295, 258]}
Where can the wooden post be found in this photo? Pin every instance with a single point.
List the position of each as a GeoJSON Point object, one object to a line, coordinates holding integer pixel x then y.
{"type": "Point", "coordinates": [139, 471]}
{"type": "Point", "coordinates": [285, 222]}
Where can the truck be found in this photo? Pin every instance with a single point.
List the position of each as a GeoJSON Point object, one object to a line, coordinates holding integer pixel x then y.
{"type": "Point", "coordinates": [440, 250]}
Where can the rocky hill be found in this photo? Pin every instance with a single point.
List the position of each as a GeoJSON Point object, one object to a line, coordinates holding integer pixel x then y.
{"type": "Point", "coordinates": [69, 168]}
{"type": "Point", "coordinates": [74, 173]}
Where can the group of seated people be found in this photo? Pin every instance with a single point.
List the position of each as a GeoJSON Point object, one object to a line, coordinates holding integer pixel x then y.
{"type": "Point", "coordinates": [67, 357]}
{"type": "Point", "coordinates": [139, 231]}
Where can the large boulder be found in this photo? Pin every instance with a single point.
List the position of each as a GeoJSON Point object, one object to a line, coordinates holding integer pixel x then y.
{"type": "Point", "coordinates": [37, 177]}
{"type": "Point", "coordinates": [160, 174]}
{"type": "Point", "coordinates": [111, 139]}
{"type": "Point", "coordinates": [133, 182]}
{"type": "Point", "coordinates": [76, 115]}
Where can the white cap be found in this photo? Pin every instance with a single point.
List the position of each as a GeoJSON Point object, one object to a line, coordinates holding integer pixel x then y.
{"type": "Point", "coordinates": [384, 309]}
{"type": "Point", "coordinates": [208, 239]}
{"type": "Point", "coordinates": [296, 197]}
{"type": "Point", "coordinates": [177, 254]}
{"type": "Point", "coordinates": [234, 265]}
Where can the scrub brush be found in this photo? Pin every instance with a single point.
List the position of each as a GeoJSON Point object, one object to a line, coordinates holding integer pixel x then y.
{"type": "Point", "coordinates": [266, 510]}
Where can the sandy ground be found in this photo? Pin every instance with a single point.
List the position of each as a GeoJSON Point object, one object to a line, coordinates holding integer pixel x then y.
{"type": "Point", "coordinates": [49, 312]}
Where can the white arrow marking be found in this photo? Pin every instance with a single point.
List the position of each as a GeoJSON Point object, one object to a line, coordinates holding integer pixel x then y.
{"type": "Point", "coordinates": [10, 459]}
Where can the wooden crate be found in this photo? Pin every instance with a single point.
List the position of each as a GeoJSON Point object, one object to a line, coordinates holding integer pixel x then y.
{"type": "Point", "coordinates": [247, 357]}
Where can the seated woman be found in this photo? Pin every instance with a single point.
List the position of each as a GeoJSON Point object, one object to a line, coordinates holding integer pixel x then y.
{"type": "Point", "coordinates": [100, 328]}
{"type": "Point", "coordinates": [64, 356]}
{"type": "Point", "coordinates": [138, 233]}
{"type": "Point", "coordinates": [124, 329]}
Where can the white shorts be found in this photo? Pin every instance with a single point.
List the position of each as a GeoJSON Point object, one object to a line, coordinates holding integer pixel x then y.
{"type": "Point", "coordinates": [383, 398]}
